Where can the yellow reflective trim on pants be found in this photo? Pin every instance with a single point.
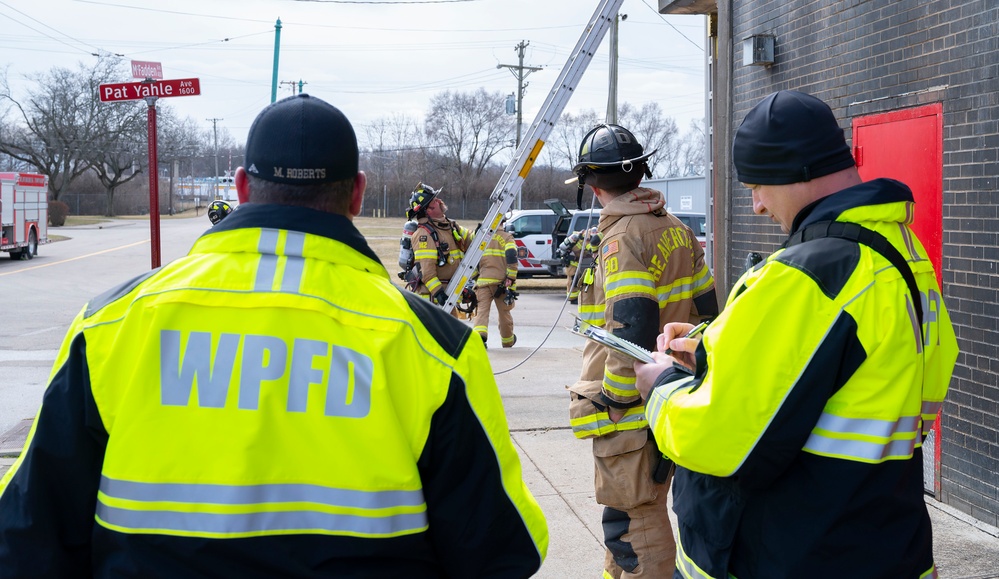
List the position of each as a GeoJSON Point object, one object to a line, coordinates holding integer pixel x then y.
{"type": "Point", "coordinates": [686, 566]}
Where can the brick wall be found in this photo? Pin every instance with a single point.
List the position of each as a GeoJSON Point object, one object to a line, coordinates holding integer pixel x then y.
{"type": "Point", "coordinates": [870, 56]}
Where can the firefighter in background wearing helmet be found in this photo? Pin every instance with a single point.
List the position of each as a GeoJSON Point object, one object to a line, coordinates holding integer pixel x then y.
{"type": "Point", "coordinates": [497, 283]}
{"type": "Point", "coordinates": [218, 211]}
{"type": "Point", "coordinates": [571, 250]}
{"type": "Point", "coordinates": [649, 270]}
{"type": "Point", "coordinates": [439, 244]}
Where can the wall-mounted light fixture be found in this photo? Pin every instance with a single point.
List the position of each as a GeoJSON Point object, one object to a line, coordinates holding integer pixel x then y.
{"type": "Point", "coordinates": [758, 49]}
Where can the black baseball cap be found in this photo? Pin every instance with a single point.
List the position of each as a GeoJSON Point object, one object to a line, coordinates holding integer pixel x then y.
{"type": "Point", "coordinates": [301, 140]}
{"type": "Point", "coordinates": [789, 137]}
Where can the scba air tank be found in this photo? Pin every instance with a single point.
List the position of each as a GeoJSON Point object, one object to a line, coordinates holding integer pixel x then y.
{"type": "Point", "coordinates": [406, 244]}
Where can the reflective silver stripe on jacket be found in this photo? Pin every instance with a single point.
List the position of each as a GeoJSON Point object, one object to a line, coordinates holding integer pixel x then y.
{"type": "Point", "coordinates": [930, 410]}
{"type": "Point", "coordinates": [867, 440]}
{"type": "Point", "coordinates": [205, 508]}
{"type": "Point", "coordinates": [267, 270]}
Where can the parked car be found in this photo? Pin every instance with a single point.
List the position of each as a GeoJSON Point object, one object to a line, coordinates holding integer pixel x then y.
{"type": "Point", "coordinates": [696, 222]}
{"type": "Point", "coordinates": [532, 230]}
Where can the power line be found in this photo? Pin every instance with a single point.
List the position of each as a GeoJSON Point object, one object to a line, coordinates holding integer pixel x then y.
{"type": "Point", "coordinates": [295, 83]}
{"type": "Point", "coordinates": [50, 28]}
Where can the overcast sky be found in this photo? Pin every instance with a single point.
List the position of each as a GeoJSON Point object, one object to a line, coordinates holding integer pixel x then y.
{"type": "Point", "coordinates": [370, 58]}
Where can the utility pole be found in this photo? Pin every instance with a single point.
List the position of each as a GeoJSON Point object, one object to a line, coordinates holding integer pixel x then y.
{"type": "Point", "coordinates": [612, 84]}
{"type": "Point", "coordinates": [520, 72]}
{"type": "Point", "coordinates": [299, 84]}
{"type": "Point", "coordinates": [215, 128]}
{"type": "Point", "coordinates": [277, 51]}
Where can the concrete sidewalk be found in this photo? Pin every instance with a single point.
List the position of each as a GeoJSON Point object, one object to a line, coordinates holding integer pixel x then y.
{"type": "Point", "coordinates": [558, 467]}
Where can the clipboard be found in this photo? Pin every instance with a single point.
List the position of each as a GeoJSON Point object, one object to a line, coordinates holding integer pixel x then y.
{"type": "Point", "coordinates": [602, 336]}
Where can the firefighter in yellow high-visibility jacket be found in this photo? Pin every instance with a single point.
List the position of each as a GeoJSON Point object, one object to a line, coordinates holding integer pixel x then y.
{"type": "Point", "coordinates": [272, 405]}
{"type": "Point", "coordinates": [796, 422]}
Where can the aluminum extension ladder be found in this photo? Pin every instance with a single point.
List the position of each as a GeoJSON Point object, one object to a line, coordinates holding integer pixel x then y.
{"type": "Point", "coordinates": [527, 153]}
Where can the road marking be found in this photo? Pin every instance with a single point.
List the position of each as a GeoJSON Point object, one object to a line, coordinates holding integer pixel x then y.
{"type": "Point", "coordinates": [28, 355]}
{"type": "Point", "coordinates": [75, 258]}
{"type": "Point", "coordinates": [42, 331]}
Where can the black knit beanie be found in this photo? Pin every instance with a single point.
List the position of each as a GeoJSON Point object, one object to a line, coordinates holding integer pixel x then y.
{"type": "Point", "coordinates": [789, 137]}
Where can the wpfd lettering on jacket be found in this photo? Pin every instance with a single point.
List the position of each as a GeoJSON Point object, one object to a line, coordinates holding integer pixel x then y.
{"type": "Point", "coordinates": [256, 361]}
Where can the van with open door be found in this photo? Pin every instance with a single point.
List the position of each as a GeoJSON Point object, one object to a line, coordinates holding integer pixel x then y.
{"type": "Point", "coordinates": [533, 230]}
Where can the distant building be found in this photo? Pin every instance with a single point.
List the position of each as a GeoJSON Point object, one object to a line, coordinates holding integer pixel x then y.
{"type": "Point", "coordinates": [686, 194]}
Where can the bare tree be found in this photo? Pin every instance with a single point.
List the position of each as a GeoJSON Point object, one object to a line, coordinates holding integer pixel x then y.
{"type": "Point", "coordinates": [656, 131]}
{"type": "Point", "coordinates": [692, 150]}
{"type": "Point", "coordinates": [649, 124]}
{"type": "Point", "coordinates": [470, 130]}
{"type": "Point", "coordinates": [57, 122]}
{"type": "Point", "coordinates": [118, 150]}
{"type": "Point", "coordinates": [395, 160]}
{"type": "Point", "coordinates": [566, 136]}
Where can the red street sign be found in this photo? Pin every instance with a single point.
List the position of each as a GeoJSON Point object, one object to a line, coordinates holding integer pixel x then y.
{"type": "Point", "coordinates": [146, 69]}
{"type": "Point", "coordinates": [131, 91]}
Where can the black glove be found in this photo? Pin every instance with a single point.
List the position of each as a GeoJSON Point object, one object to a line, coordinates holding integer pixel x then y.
{"type": "Point", "coordinates": [511, 296]}
{"type": "Point", "coordinates": [439, 298]}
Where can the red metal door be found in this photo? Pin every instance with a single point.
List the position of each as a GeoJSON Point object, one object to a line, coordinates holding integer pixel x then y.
{"type": "Point", "coordinates": [907, 145]}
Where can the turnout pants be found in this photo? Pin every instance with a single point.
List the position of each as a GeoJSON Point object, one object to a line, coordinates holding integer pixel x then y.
{"type": "Point", "coordinates": [638, 537]}
{"type": "Point", "coordinates": [487, 295]}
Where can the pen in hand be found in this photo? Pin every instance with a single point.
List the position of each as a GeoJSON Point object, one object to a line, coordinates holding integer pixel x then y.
{"type": "Point", "coordinates": [693, 332]}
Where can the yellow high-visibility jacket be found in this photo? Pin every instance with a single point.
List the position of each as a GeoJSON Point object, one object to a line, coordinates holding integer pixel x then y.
{"type": "Point", "coordinates": [799, 438]}
{"type": "Point", "coordinates": [270, 405]}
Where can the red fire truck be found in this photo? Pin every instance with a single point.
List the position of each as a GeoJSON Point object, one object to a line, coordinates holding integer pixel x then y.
{"type": "Point", "coordinates": [24, 213]}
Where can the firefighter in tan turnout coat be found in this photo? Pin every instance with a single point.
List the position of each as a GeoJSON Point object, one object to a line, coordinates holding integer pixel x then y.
{"type": "Point", "coordinates": [650, 270]}
{"type": "Point", "coordinates": [497, 284]}
{"type": "Point", "coordinates": [439, 243]}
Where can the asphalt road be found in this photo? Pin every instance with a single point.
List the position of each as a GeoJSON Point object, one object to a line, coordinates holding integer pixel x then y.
{"type": "Point", "coordinates": [42, 295]}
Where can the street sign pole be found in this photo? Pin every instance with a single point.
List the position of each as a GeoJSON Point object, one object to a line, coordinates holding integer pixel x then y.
{"type": "Point", "coordinates": [150, 89]}
{"type": "Point", "coordinates": [154, 184]}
